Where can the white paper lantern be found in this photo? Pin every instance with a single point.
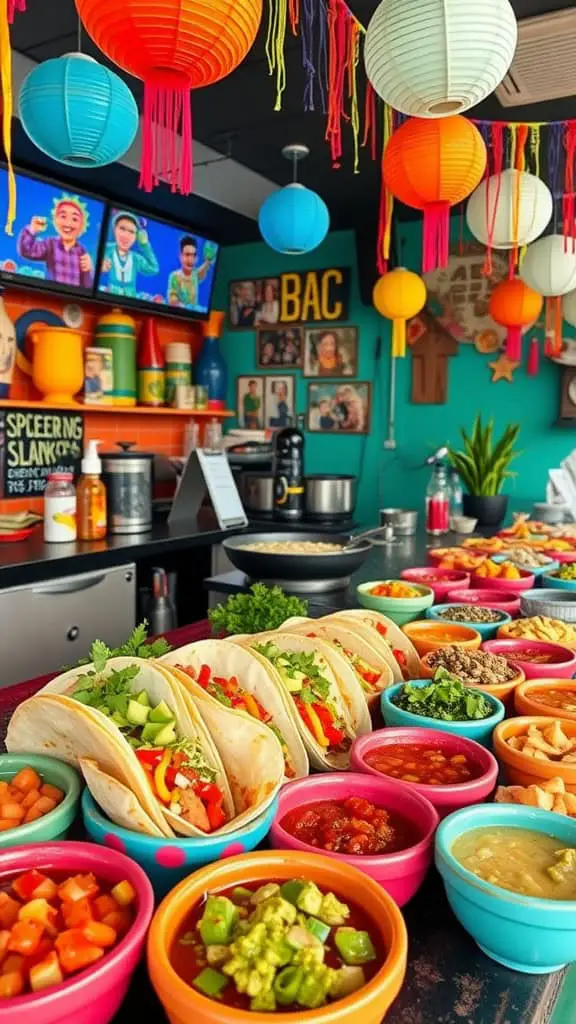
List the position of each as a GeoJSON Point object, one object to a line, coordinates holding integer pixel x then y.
{"type": "Point", "coordinates": [569, 308]}
{"type": "Point", "coordinates": [433, 58]}
{"type": "Point", "coordinates": [493, 204]}
{"type": "Point", "coordinates": [549, 265]}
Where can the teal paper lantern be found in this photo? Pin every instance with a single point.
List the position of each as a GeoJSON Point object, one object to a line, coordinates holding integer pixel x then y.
{"type": "Point", "coordinates": [294, 220]}
{"type": "Point", "coordinates": [78, 112]}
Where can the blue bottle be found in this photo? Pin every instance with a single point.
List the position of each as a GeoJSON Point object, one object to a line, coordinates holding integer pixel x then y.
{"type": "Point", "coordinates": [210, 368]}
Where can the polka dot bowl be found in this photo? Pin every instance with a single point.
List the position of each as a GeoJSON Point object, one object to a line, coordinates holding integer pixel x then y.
{"type": "Point", "coordinates": [168, 861]}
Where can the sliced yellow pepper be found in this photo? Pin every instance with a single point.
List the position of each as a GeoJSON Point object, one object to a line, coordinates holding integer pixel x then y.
{"type": "Point", "coordinates": [162, 790]}
{"type": "Point", "coordinates": [251, 705]}
{"type": "Point", "coordinates": [316, 726]}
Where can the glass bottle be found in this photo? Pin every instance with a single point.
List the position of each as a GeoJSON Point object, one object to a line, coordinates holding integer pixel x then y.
{"type": "Point", "coordinates": [456, 494]}
{"type": "Point", "coordinates": [438, 502]}
{"type": "Point", "coordinates": [60, 509]}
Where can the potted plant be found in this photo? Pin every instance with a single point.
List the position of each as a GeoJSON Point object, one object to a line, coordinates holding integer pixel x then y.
{"type": "Point", "coordinates": [483, 468]}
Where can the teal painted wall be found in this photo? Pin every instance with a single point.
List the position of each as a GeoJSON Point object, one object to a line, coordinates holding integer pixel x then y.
{"type": "Point", "coordinates": [394, 477]}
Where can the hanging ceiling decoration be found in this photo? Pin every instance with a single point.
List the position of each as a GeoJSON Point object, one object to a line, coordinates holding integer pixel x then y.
{"type": "Point", "coordinates": [514, 305]}
{"type": "Point", "coordinates": [173, 46]}
{"type": "Point", "coordinates": [434, 58]}
{"type": "Point", "coordinates": [569, 308]}
{"type": "Point", "coordinates": [77, 111]}
{"type": "Point", "coordinates": [549, 266]}
{"type": "Point", "coordinates": [509, 210]}
{"type": "Point", "coordinates": [294, 220]}
{"type": "Point", "coordinates": [399, 295]}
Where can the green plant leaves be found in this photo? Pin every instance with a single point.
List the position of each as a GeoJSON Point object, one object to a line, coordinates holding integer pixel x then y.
{"type": "Point", "coordinates": [483, 465]}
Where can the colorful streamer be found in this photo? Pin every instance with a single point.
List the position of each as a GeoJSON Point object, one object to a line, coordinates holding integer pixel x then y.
{"type": "Point", "coordinates": [274, 48]}
{"type": "Point", "coordinates": [15, 6]}
{"type": "Point", "coordinates": [7, 107]}
{"type": "Point", "coordinates": [386, 202]}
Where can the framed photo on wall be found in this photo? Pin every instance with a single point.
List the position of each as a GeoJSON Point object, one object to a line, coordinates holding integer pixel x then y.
{"type": "Point", "coordinates": [331, 352]}
{"type": "Point", "coordinates": [279, 347]}
{"type": "Point", "coordinates": [253, 302]}
{"type": "Point", "coordinates": [250, 402]}
{"type": "Point", "coordinates": [336, 408]}
{"type": "Point", "coordinates": [279, 399]}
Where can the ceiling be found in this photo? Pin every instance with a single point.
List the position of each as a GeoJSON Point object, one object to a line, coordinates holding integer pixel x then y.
{"type": "Point", "coordinates": [239, 112]}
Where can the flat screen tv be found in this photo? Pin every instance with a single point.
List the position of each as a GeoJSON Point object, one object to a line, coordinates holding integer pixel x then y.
{"type": "Point", "coordinates": [56, 236]}
{"type": "Point", "coordinates": [144, 260]}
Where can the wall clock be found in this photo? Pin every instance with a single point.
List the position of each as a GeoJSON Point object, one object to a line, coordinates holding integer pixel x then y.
{"type": "Point", "coordinates": [568, 393]}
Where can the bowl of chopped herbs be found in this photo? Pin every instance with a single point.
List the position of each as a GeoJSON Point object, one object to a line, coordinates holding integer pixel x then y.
{"type": "Point", "coordinates": [443, 703]}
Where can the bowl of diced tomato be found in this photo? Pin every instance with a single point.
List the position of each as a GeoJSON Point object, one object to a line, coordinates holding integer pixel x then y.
{"type": "Point", "coordinates": [73, 920]}
{"type": "Point", "coordinates": [38, 799]}
{"type": "Point", "coordinates": [399, 600]}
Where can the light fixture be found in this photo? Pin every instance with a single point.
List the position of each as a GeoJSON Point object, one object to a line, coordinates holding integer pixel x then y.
{"type": "Point", "coordinates": [294, 220]}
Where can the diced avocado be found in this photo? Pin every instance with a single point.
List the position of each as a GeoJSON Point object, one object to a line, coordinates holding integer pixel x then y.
{"type": "Point", "coordinates": [217, 955]}
{"type": "Point", "coordinates": [310, 899]}
{"type": "Point", "coordinates": [318, 929]}
{"type": "Point", "coordinates": [217, 921]}
{"type": "Point", "coordinates": [275, 911]}
{"type": "Point", "coordinates": [161, 713]}
{"type": "Point", "coordinates": [264, 893]}
{"type": "Point", "coordinates": [346, 981]}
{"type": "Point", "coordinates": [291, 890]}
{"type": "Point", "coordinates": [143, 698]}
{"type": "Point", "coordinates": [150, 731]}
{"type": "Point", "coordinates": [294, 681]}
{"type": "Point", "coordinates": [137, 714]}
{"type": "Point", "coordinates": [299, 937]}
{"type": "Point", "coordinates": [264, 1002]}
{"type": "Point", "coordinates": [166, 736]}
{"type": "Point", "coordinates": [119, 719]}
{"type": "Point", "coordinates": [332, 911]}
{"type": "Point", "coordinates": [210, 982]}
{"type": "Point", "coordinates": [287, 985]}
{"type": "Point", "coordinates": [312, 993]}
{"type": "Point", "coordinates": [240, 892]}
{"type": "Point", "coordinates": [355, 947]}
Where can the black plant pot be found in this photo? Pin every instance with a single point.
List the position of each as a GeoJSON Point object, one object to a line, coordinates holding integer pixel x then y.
{"type": "Point", "coordinates": [489, 511]}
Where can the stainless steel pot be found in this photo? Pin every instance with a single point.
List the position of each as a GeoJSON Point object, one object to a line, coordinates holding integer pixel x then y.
{"type": "Point", "coordinates": [329, 496]}
{"type": "Point", "coordinates": [403, 520]}
{"type": "Point", "coordinates": [128, 478]}
{"type": "Point", "coordinates": [257, 491]}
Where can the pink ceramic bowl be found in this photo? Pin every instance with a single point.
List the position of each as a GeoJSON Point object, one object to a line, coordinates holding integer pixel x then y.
{"type": "Point", "coordinates": [499, 600]}
{"type": "Point", "coordinates": [444, 798]}
{"type": "Point", "coordinates": [401, 874]}
{"type": "Point", "coordinates": [526, 582]}
{"type": "Point", "coordinates": [93, 996]}
{"type": "Point", "coordinates": [561, 661]}
{"type": "Point", "coordinates": [439, 580]}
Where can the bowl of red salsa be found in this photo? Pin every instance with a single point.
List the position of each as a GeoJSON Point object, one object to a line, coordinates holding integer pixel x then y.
{"type": "Point", "coordinates": [441, 581]}
{"type": "Point", "coordinates": [376, 825]}
{"type": "Point", "coordinates": [449, 770]}
{"type": "Point", "coordinates": [197, 985]}
{"type": "Point", "coordinates": [537, 658]}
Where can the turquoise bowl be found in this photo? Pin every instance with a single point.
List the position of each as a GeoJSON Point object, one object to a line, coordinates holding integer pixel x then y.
{"type": "Point", "coordinates": [399, 609]}
{"type": "Point", "coordinates": [168, 861]}
{"type": "Point", "coordinates": [481, 731]}
{"type": "Point", "coordinates": [56, 824]}
{"type": "Point", "coordinates": [536, 570]}
{"type": "Point", "coordinates": [525, 933]}
{"type": "Point", "coordinates": [487, 630]}
{"type": "Point", "coordinates": [555, 583]}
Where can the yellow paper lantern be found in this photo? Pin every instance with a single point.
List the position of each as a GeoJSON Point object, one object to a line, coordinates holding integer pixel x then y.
{"type": "Point", "coordinates": [399, 295]}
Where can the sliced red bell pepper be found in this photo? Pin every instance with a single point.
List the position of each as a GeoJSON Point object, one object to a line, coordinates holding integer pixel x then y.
{"type": "Point", "coordinates": [332, 733]}
{"type": "Point", "coordinates": [149, 758]}
{"type": "Point", "coordinates": [25, 885]}
{"type": "Point", "coordinates": [382, 629]}
{"type": "Point", "coordinates": [77, 886]}
{"type": "Point", "coordinates": [204, 676]}
{"type": "Point", "coordinates": [75, 952]}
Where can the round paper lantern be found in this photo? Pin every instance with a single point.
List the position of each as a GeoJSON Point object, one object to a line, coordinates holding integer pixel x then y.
{"type": "Point", "coordinates": [399, 295]}
{"type": "Point", "coordinates": [514, 305]}
{"type": "Point", "coordinates": [433, 58]}
{"type": "Point", "coordinates": [173, 46]}
{"type": "Point", "coordinates": [569, 308]}
{"type": "Point", "coordinates": [549, 265]}
{"type": "Point", "coordinates": [294, 220]}
{"type": "Point", "coordinates": [431, 165]}
{"type": "Point", "coordinates": [509, 209]}
{"type": "Point", "coordinates": [77, 111]}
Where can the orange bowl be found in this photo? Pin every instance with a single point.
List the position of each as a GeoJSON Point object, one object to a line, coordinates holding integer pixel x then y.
{"type": "Point", "coordinates": [503, 691]}
{"type": "Point", "coordinates": [183, 1003]}
{"type": "Point", "coordinates": [525, 704]}
{"type": "Point", "coordinates": [521, 769]}
{"type": "Point", "coordinates": [429, 636]}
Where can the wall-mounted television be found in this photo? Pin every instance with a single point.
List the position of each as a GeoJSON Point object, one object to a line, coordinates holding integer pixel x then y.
{"type": "Point", "coordinates": [144, 260]}
{"type": "Point", "coordinates": [56, 236]}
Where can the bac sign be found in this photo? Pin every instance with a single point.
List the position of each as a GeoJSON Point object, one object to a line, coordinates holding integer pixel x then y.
{"type": "Point", "coordinates": [316, 296]}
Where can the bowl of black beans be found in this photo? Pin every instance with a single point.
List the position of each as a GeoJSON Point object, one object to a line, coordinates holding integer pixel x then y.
{"type": "Point", "coordinates": [486, 620]}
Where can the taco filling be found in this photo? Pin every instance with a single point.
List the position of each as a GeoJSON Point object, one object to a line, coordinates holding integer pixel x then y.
{"type": "Point", "coordinates": [368, 676]}
{"type": "Point", "coordinates": [399, 654]}
{"type": "Point", "coordinates": [176, 767]}
{"type": "Point", "coordinates": [232, 695]}
{"type": "Point", "coordinates": [301, 674]}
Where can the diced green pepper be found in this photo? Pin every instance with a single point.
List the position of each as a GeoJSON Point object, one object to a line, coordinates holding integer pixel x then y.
{"type": "Point", "coordinates": [291, 890]}
{"type": "Point", "coordinates": [318, 929]}
{"type": "Point", "coordinates": [312, 993]}
{"type": "Point", "coordinates": [310, 899]}
{"type": "Point", "coordinates": [210, 982]}
{"type": "Point", "coordinates": [355, 947]}
{"type": "Point", "coordinates": [217, 921]}
{"type": "Point", "coordinates": [287, 985]}
{"type": "Point", "coordinates": [240, 892]}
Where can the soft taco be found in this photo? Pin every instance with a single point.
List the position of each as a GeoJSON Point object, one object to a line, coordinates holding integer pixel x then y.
{"type": "Point", "coordinates": [303, 669]}
{"type": "Point", "coordinates": [370, 665]}
{"type": "Point", "coordinates": [383, 633]}
{"type": "Point", "coordinates": [234, 677]}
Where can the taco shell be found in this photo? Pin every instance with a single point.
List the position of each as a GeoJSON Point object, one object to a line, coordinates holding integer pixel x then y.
{"type": "Point", "coordinates": [383, 631]}
{"type": "Point", "coordinates": [116, 800]}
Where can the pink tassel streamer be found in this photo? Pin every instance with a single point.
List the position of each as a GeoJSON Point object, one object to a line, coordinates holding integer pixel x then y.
{"type": "Point", "coordinates": [167, 138]}
{"type": "Point", "coordinates": [435, 237]}
{"type": "Point", "coordinates": [533, 358]}
{"type": "Point", "coordinates": [514, 344]}
{"type": "Point", "coordinates": [15, 6]}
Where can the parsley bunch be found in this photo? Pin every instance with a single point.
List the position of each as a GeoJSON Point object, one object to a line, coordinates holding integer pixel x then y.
{"type": "Point", "coordinates": [136, 646]}
{"type": "Point", "coordinates": [263, 609]}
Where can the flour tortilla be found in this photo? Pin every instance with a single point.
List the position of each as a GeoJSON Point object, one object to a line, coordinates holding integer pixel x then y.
{"type": "Point", "coordinates": [73, 730]}
{"type": "Point", "coordinates": [226, 659]}
{"type": "Point", "coordinates": [368, 621]}
{"type": "Point", "coordinates": [117, 800]}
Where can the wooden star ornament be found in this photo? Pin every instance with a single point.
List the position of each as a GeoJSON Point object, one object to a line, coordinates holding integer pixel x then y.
{"type": "Point", "coordinates": [503, 368]}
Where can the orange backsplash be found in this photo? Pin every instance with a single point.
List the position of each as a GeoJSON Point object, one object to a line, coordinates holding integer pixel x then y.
{"type": "Point", "coordinates": [158, 433]}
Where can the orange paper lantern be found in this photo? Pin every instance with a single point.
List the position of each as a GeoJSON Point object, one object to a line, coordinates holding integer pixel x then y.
{"type": "Point", "coordinates": [514, 305]}
{"type": "Point", "coordinates": [173, 46]}
{"type": "Point", "coordinates": [431, 165]}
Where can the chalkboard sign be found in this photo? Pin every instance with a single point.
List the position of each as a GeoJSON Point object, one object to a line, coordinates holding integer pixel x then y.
{"type": "Point", "coordinates": [34, 444]}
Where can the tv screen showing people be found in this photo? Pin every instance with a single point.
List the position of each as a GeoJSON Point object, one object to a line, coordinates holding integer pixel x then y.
{"type": "Point", "coordinates": [56, 235]}
{"type": "Point", "coordinates": [150, 261]}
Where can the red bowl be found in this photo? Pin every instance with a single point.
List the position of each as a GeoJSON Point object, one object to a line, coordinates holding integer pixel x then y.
{"type": "Point", "coordinates": [563, 664]}
{"type": "Point", "coordinates": [402, 873]}
{"type": "Point", "coordinates": [499, 600]}
{"type": "Point", "coordinates": [441, 581]}
{"type": "Point", "coordinates": [526, 582]}
{"type": "Point", "coordinates": [444, 798]}
{"type": "Point", "coordinates": [562, 556]}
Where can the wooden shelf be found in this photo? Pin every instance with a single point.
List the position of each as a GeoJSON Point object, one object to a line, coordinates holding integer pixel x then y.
{"type": "Point", "coordinates": [123, 410]}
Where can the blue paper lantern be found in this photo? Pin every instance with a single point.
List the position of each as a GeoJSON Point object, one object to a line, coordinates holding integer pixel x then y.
{"type": "Point", "coordinates": [77, 111]}
{"type": "Point", "coordinates": [294, 220]}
